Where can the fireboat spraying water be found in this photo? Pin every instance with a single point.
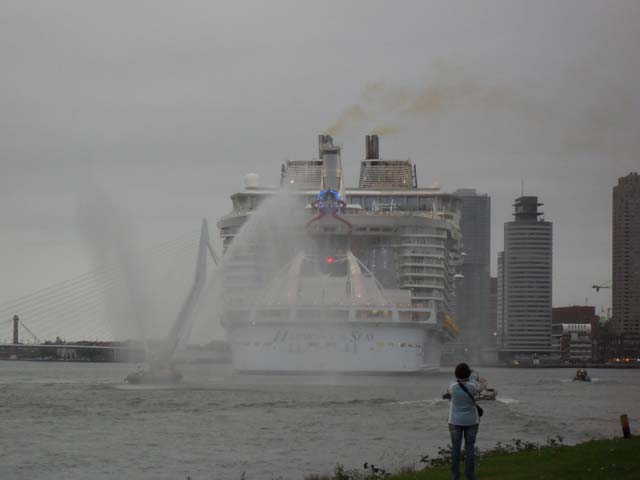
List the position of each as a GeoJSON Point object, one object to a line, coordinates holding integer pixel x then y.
{"type": "Point", "coordinates": [161, 368]}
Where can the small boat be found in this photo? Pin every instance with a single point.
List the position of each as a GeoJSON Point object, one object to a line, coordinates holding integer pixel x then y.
{"type": "Point", "coordinates": [164, 376]}
{"type": "Point", "coordinates": [581, 376]}
{"type": "Point", "coordinates": [486, 393]}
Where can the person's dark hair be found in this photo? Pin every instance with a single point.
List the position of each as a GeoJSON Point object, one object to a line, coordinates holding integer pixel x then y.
{"type": "Point", "coordinates": [462, 371]}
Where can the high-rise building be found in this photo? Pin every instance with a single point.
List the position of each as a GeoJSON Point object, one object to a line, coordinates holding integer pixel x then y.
{"type": "Point", "coordinates": [472, 290]}
{"type": "Point", "coordinates": [626, 255]}
{"type": "Point", "coordinates": [500, 321]}
{"type": "Point", "coordinates": [493, 306]}
{"type": "Point", "coordinates": [525, 282]}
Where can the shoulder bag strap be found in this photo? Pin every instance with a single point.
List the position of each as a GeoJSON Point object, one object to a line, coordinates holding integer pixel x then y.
{"type": "Point", "coordinates": [471, 396]}
{"type": "Point", "coordinates": [467, 392]}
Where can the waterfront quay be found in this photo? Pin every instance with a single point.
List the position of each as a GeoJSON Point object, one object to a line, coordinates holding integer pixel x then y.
{"type": "Point", "coordinates": [87, 351]}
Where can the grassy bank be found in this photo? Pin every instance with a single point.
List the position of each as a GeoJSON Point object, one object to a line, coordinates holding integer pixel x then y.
{"type": "Point", "coordinates": [597, 459]}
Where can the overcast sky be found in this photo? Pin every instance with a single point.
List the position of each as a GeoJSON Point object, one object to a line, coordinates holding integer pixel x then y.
{"type": "Point", "coordinates": [164, 106]}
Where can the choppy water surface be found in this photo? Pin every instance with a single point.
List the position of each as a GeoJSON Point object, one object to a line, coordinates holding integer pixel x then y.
{"type": "Point", "coordinates": [78, 421]}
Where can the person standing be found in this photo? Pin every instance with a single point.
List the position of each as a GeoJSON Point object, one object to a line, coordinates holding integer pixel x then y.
{"type": "Point", "coordinates": [464, 418]}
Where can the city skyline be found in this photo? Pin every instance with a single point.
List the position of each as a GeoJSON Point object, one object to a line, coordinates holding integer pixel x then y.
{"type": "Point", "coordinates": [165, 127]}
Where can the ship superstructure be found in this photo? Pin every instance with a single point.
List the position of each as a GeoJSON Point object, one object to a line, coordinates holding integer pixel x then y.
{"type": "Point", "coordinates": [369, 286]}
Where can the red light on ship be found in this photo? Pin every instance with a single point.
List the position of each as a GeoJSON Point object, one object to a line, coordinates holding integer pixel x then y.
{"type": "Point", "coordinates": [329, 260]}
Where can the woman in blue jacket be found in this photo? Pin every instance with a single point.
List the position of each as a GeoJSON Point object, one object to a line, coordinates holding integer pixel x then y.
{"type": "Point", "coordinates": [463, 419]}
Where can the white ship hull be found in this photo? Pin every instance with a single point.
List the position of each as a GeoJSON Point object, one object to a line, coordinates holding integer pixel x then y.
{"type": "Point", "coordinates": [348, 348]}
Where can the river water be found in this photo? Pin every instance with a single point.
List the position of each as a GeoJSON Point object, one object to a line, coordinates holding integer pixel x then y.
{"type": "Point", "coordinates": [78, 420]}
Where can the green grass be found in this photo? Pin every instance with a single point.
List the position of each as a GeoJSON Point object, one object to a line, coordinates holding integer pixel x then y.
{"type": "Point", "coordinates": [617, 459]}
{"type": "Point", "coordinates": [597, 459]}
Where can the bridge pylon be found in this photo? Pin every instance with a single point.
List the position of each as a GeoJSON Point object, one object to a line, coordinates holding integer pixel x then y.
{"type": "Point", "coordinates": [16, 321]}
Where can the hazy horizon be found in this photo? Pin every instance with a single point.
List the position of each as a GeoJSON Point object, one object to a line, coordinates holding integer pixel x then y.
{"type": "Point", "coordinates": [164, 107]}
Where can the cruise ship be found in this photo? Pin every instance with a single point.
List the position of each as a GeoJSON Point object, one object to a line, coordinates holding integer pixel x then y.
{"type": "Point", "coordinates": [351, 280]}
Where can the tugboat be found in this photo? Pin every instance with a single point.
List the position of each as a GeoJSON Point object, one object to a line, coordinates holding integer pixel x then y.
{"type": "Point", "coordinates": [161, 370]}
{"type": "Point", "coordinates": [154, 376]}
{"type": "Point", "coordinates": [485, 392]}
{"type": "Point", "coordinates": [581, 376]}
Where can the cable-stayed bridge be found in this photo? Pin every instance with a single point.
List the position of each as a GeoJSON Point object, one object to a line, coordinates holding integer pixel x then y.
{"type": "Point", "coordinates": [108, 303]}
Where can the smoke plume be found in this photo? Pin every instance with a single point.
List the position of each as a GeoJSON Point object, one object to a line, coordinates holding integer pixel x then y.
{"type": "Point", "coordinates": [352, 115]}
{"type": "Point", "coordinates": [386, 130]}
{"type": "Point", "coordinates": [450, 89]}
{"type": "Point", "coordinates": [562, 121]}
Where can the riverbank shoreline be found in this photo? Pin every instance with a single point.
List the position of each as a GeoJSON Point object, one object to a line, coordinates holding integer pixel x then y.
{"type": "Point", "coordinates": [441, 369]}
{"type": "Point", "coordinates": [595, 459]}
{"type": "Point", "coordinates": [575, 366]}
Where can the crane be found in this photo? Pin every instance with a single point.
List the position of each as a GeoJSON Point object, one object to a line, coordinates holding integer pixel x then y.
{"type": "Point", "coordinates": [606, 284]}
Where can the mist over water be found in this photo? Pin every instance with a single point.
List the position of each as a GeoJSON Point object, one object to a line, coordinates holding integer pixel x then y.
{"type": "Point", "coordinates": [275, 232]}
{"type": "Point", "coordinates": [270, 230]}
{"type": "Point", "coordinates": [145, 284]}
{"type": "Point", "coordinates": [145, 293]}
{"type": "Point", "coordinates": [110, 241]}
{"type": "Point", "coordinates": [275, 227]}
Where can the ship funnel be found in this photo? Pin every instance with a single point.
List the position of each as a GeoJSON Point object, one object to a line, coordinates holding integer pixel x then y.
{"type": "Point", "coordinates": [324, 142]}
{"type": "Point", "coordinates": [331, 163]}
{"type": "Point", "coordinates": [372, 147]}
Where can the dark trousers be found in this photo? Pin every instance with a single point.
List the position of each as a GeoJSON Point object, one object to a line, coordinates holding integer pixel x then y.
{"type": "Point", "coordinates": [469, 432]}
